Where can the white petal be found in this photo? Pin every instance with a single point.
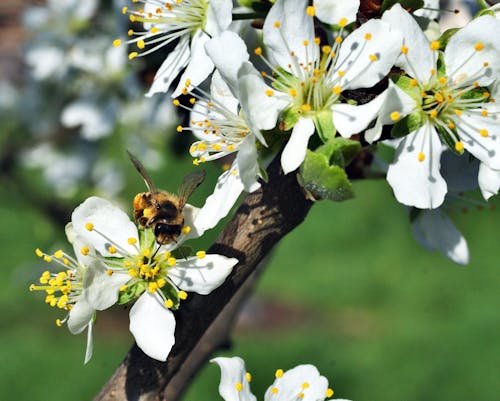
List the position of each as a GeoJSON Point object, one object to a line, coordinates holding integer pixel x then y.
{"type": "Point", "coordinates": [201, 275]}
{"type": "Point", "coordinates": [486, 149]}
{"type": "Point", "coordinates": [176, 60]}
{"type": "Point", "coordinates": [435, 231]}
{"type": "Point", "coordinates": [219, 16]}
{"type": "Point", "coordinates": [101, 290]}
{"type": "Point", "coordinates": [217, 206]}
{"type": "Point", "coordinates": [489, 181]}
{"type": "Point", "coordinates": [94, 120]}
{"type": "Point", "coordinates": [295, 150]}
{"type": "Point", "coordinates": [228, 52]}
{"type": "Point", "coordinates": [260, 111]}
{"type": "Point", "coordinates": [295, 28]}
{"type": "Point", "coordinates": [429, 11]}
{"type": "Point", "coordinates": [420, 59]}
{"type": "Point", "coordinates": [418, 183]}
{"type": "Point", "coordinates": [199, 67]}
{"type": "Point", "coordinates": [190, 214]}
{"type": "Point", "coordinates": [485, 30]}
{"type": "Point", "coordinates": [247, 162]}
{"type": "Point", "coordinates": [111, 222]}
{"type": "Point", "coordinates": [292, 383]}
{"type": "Point", "coordinates": [221, 93]}
{"type": "Point", "coordinates": [89, 349]}
{"type": "Point", "coordinates": [332, 11]}
{"type": "Point", "coordinates": [80, 316]}
{"type": "Point", "coordinates": [355, 52]}
{"type": "Point", "coordinates": [233, 372]}
{"type": "Point", "coordinates": [152, 326]}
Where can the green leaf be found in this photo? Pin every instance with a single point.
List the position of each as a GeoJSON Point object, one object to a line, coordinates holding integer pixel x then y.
{"type": "Point", "coordinates": [404, 82]}
{"type": "Point", "coordinates": [324, 125]}
{"type": "Point", "coordinates": [322, 180]}
{"type": "Point", "coordinates": [408, 124]}
{"type": "Point", "coordinates": [408, 4]}
{"type": "Point", "coordinates": [131, 293]}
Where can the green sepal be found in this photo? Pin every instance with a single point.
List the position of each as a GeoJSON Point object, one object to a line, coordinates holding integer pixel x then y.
{"type": "Point", "coordinates": [289, 118]}
{"type": "Point", "coordinates": [322, 173]}
{"type": "Point", "coordinates": [132, 292]}
{"type": "Point", "coordinates": [404, 83]}
{"type": "Point", "coordinates": [146, 238]}
{"type": "Point", "coordinates": [446, 36]}
{"type": "Point", "coordinates": [441, 67]}
{"type": "Point", "coordinates": [476, 94]}
{"type": "Point", "coordinates": [449, 140]}
{"type": "Point", "coordinates": [408, 124]}
{"type": "Point", "coordinates": [407, 4]}
{"type": "Point", "coordinates": [325, 128]}
{"type": "Point", "coordinates": [482, 5]}
{"type": "Point", "coordinates": [182, 251]}
{"type": "Point", "coordinates": [485, 12]}
{"type": "Point", "coordinates": [171, 293]}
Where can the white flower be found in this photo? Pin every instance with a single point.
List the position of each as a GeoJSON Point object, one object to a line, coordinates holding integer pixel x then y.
{"type": "Point", "coordinates": [303, 382]}
{"type": "Point", "coordinates": [308, 79]}
{"type": "Point", "coordinates": [137, 267]}
{"type": "Point", "coordinates": [450, 93]}
{"type": "Point", "coordinates": [192, 23]}
{"type": "Point", "coordinates": [66, 289]}
{"type": "Point", "coordinates": [332, 11]}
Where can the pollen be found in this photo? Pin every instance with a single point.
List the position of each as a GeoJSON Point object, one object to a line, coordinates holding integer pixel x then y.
{"type": "Point", "coordinates": [258, 51]}
{"type": "Point", "coordinates": [117, 42]}
{"type": "Point", "coordinates": [458, 112]}
{"type": "Point", "coordinates": [176, 102]}
{"type": "Point", "coordinates": [124, 10]}
{"type": "Point", "coordinates": [329, 393]}
{"type": "Point", "coordinates": [201, 254]}
{"type": "Point", "coordinates": [395, 116]}
{"type": "Point", "coordinates": [154, 30]}
{"type": "Point", "coordinates": [451, 125]}
{"type": "Point", "coordinates": [343, 22]}
{"type": "Point", "coordinates": [186, 229]}
{"type": "Point", "coordinates": [278, 373]}
{"type": "Point", "coordinates": [161, 282]}
{"type": "Point", "coordinates": [483, 133]}
{"type": "Point", "coordinates": [277, 24]}
{"type": "Point", "coordinates": [338, 39]}
{"type": "Point", "coordinates": [310, 11]}
{"type": "Point", "coordinates": [58, 323]}
{"type": "Point", "coordinates": [404, 49]}
{"type": "Point", "coordinates": [479, 46]}
{"type": "Point", "coordinates": [317, 40]}
{"type": "Point", "coordinates": [443, 80]}
{"type": "Point", "coordinates": [183, 295]}
{"type": "Point", "coordinates": [38, 252]}
{"type": "Point", "coordinates": [171, 261]}
{"type": "Point", "coordinates": [305, 385]}
{"type": "Point", "coordinates": [141, 44]}
{"type": "Point", "coordinates": [306, 107]}
{"type": "Point", "coordinates": [132, 55]}
{"type": "Point", "coordinates": [179, 128]}
{"type": "Point", "coordinates": [112, 249]}
{"type": "Point", "coordinates": [238, 386]}
{"type": "Point", "coordinates": [292, 92]}
{"type": "Point", "coordinates": [85, 251]}
{"type": "Point", "coordinates": [486, 95]}
{"type": "Point", "coordinates": [192, 100]}
{"type": "Point", "coordinates": [337, 90]}
{"type": "Point", "coordinates": [269, 92]}
{"type": "Point", "coordinates": [47, 258]}
{"type": "Point", "coordinates": [459, 146]}
{"type": "Point", "coordinates": [433, 114]}
{"type": "Point", "coordinates": [59, 254]}
{"type": "Point", "coordinates": [373, 57]}
{"type": "Point", "coordinates": [152, 286]}
{"type": "Point", "coordinates": [305, 43]}
{"type": "Point", "coordinates": [123, 287]}
{"type": "Point", "coordinates": [434, 45]}
{"type": "Point", "coordinates": [301, 395]}
{"type": "Point", "coordinates": [130, 32]}
{"type": "Point", "coordinates": [421, 157]}
{"type": "Point", "coordinates": [109, 272]}
{"type": "Point", "coordinates": [274, 390]}
{"type": "Point", "coordinates": [326, 49]}
{"type": "Point", "coordinates": [484, 113]}
{"type": "Point", "coordinates": [248, 377]}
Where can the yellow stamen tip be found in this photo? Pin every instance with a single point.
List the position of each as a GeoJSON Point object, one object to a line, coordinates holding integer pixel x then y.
{"type": "Point", "coordinates": [421, 157]}
{"type": "Point", "coordinates": [278, 373]}
{"type": "Point", "coordinates": [89, 226]}
{"type": "Point", "coordinates": [141, 44]}
{"type": "Point", "coordinates": [395, 116]}
{"type": "Point", "coordinates": [176, 102]}
{"type": "Point", "coordinates": [343, 22]}
{"type": "Point", "coordinates": [329, 393]}
{"type": "Point", "coordinates": [169, 303]}
{"type": "Point", "coordinates": [274, 390]}
{"type": "Point", "coordinates": [368, 36]}
{"type": "Point", "coordinates": [479, 46]}
{"type": "Point", "coordinates": [248, 377]}
{"type": "Point", "coordinates": [117, 42]}
{"type": "Point", "coordinates": [58, 323]}
{"type": "Point", "coordinates": [132, 55]}
{"type": "Point", "coordinates": [59, 254]}
{"type": "Point", "coordinates": [109, 272]}
{"type": "Point", "coordinates": [38, 252]}
{"type": "Point", "coordinates": [373, 57]}
{"type": "Point", "coordinates": [310, 11]}
{"type": "Point", "coordinates": [413, 82]}
{"type": "Point", "coordinates": [277, 24]}
{"type": "Point", "coordinates": [171, 261]}
{"type": "Point", "coordinates": [269, 92]}
{"type": "Point", "coordinates": [132, 240]}
{"type": "Point", "coordinates": [484, 133]}
{"type": "Point", "coordinates": [201, 254]}
{"type": "Point", "coordinates": [85, 251]}
{"type": "Point", "coordinates": [183, 295]}
{"type": "Point", "coordinates": [404, 49]}
{"type": "Point", "coordinates": [434, 45]}
{"type": "Point", "coordinates": [459, 146]}
{"type": "Point", "coordinates": [112, 249]}
{"type": "Point", "coordinates": [179, 128]}
{"type": "Point", "coordinates": [186, 230]}
{"type": "Point", "coordinates": [238, 386]}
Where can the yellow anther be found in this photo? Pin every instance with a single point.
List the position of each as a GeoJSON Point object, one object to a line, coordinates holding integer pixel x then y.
{"type": "Point", "coordinates": [58, 323]}
{"type": "Point", "coordinates": [413, 82]}
{"type": "Point", "coordinates": [112, 249]}
{"type": "Point", "coordinates": [301, 395]}
{"type": "Point", "coordinates": [179, 128]}
{"type": "Point", "coordinates": [176, 102]}
{"type": "Point", "coordinates": [278, 373]}
{"type": "Point", "coordinates": [329, 393]}
{"type": "Point", "coordinates": [154, 30]}
{"type": "Point", "coordinates": [59, 254]}
{"type": "Point", "coordinates": [395, 116]}
{"type": "Point", "coordinates": [132, 272]}
{"type": "Point", "coordinates": [434, 45]}
{"type": "Point", "coordinates": [201, 146]}
{"type": "Point", "coordinates": [117, 42]}
{"type": "Point", "coordinates": [38, 252]}
{"type": "Point", "coordinates": [171, 261]}
{"type": "Point", "coordinates": [89, 226]}
{"type": "Point", "coordinates": [132, 55]}
{"type": "Point", "coordinates": [458, 112]}
{"type": "Point", "coordinates": [439, 97]}
{"type": "Point", "coordinates": [306, 107]}
{"type": "Point", "coordinates": [201, 254]}
{"type": "Point", "coordinates": [443, 80]}
{"type": "Point", "coordinates": [478, 46]}
{"type": "Point", "coordinates": [274, 390]}
{"type": "Point", "coordinates": [305, 43]}
{"type": "Point", "coordinates": [132, 240]}
{"type": "Point", "coordinates": [343, 22]}
{"type": "Point", "coordinates": [230, 147]}
{"type": "Point", "coordinates": [216, 147]}
{"type": "Point", "coordinates": [421, 157]}
{"type": "Point", "coordinates": [459, 146]}
{"type": "Point", "coordinates": [486, 95]}
{"type": "Point", "coordinates": [161, 282]}
{"type": "Point", "coordinates": [248, 377]}
{"type": "Point", "coordinates": [183, 295]}
{"type": "Point", "coordinates": [404, 49]}
{"type": "Point", "coordinates": [152, 286]}
{"type": "Point", "coordinates": [433, 71]}
{"type": "Point", "coordinates": [423, 94]}
{"type": "Point", "coordinates": [196, 162]}
{"type": "Point", "coordinates": [47, 258]}
{"type": "Point", "coordinates": [238, 386]}
{"type": "Point", "coordinates": [187, 84]}
{"type": "Point", "coordinates": [305, 385]}
{"type": "Point", "coordinates": [124, 10]}
{"type": "Point", "coordinates": [192, 100]}
{"type": "Point", "coordinates": [317, 40]}
{"type": "Point", "coordinates": [433, 114]}
{"type": "Point", "coordinates": [338, 39]}
{"type": "Point", "coordinates": [258, 51]}
{"type": "Point", "coordinates": [368, 36]}
{"type": "Point", "coordinates": [186, 229]}
{"type": "Point", "coordinates": [451, 125]}
{"type": "Point", "coordinates": [130, 32]}
{"type": "Point", "coordinates": [123, 287]}
{"type": "Point", "coordinates": [140, 44]}
{"type": "Point", "coordinates": [277, 24]}
{"type": "Point", "coordinates": [292, 92]}
{"type": "Point", "coordinates": [131, 17]}
{"type": "Point", "coordinates": [234, 173]}
{"type": "Point", "coordinates": [341, 73]}
{"type": "Point", "coordinates": [326, 49]}
{"type": "Point", "coordinates": [373, 57]}
{"type": "Point", "coordinates": [269, 92]}
{"type": "Point", "coordinates": [484, 133]}
{"type": "Point", "coordinates": [337, 90]}
{"type": "Point", "coordinates": [109, 272]}
{"type": "Point", "coordinates": [310, 11]}
{"type": "Point", "coordinates": [169, 303]}
{"type": "Point", "coordinates": [486, 64]}
{"type": "Point", "coordinates": [484, 113]}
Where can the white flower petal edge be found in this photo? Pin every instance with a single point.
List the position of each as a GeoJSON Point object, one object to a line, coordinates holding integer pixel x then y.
{"type": "Point", "coordinates": [414, 182]}
{"type": "Point", "coordinates": [435, 231]}
{"type": "Point", "coordinates": [152, 326]}
{"type": "Point", "coordinates": [80, 316]}
{"type": "Point", "coordinates": [489, 181]}
{"type": "Point", "coordinates": [219, 16]}
{"type": "Point", "coordinates": [109, 220]}
{"type": "Point", "coordinates": [201, 275]}
{"type": "Point", "coordinates": [248, 166]}
{"type": "Point", "coordinates": [233, 372]}
{"type": "Point", "coordinates": [332, 11]}
{"type": "Point", "coordinates": [89, 349]}
{"type": "Point", "coordinates": [295, 150]}
{"type": "Point", "coordinates": [429, 11]}
{"type": "Point", "coordinates": [292, 383]}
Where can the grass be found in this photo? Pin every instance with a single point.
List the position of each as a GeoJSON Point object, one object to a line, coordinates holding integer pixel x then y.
{"type": "Point", "coordinates": [383, 319]}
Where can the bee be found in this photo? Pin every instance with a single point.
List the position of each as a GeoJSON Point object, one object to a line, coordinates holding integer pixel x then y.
{"type": "Point", "coordinates": [161, 210]}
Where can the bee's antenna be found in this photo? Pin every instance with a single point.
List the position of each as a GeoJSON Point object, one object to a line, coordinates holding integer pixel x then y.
{"type": "Point", "coordinates": [155, 252]}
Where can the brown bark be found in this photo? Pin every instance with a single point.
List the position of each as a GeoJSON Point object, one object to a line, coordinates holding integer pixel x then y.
{"type": "Point", "coordinates": [263, 218]}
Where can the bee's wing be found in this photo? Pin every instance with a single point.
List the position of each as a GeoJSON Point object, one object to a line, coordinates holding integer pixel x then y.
{"type": "Point", "coordinates": [189, 184]}
{"type": "Point", "coordinates": [142, 171]}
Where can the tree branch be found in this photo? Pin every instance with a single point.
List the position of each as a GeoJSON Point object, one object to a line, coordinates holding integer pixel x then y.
{"type": "Point", "coordinates": [263, 218]}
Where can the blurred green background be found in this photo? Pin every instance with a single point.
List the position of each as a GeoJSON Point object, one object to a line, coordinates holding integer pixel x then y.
{"type": "Point", "coordinates": [351, 293]}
